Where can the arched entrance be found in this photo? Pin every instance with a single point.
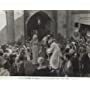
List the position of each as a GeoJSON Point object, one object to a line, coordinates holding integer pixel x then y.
{"type": "Point", "coordinates": [39, 22]}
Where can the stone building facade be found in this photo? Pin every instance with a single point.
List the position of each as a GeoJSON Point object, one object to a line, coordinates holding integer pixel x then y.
{"type": "Point", "coordinates": [62, 22]}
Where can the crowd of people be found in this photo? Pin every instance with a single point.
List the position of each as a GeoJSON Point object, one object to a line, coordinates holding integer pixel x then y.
{"type": "Point", "coordinates": [47, 57]}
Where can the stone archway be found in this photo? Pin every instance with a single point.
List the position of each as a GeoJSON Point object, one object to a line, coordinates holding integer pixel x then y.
{"type": "Point", "coordinates": [39, 21]}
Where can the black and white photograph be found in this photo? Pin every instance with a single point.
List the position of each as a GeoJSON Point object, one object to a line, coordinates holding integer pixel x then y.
{"type": "Point", "coordinates": [45, 43]}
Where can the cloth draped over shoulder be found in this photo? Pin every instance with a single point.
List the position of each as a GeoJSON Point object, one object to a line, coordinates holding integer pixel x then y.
{"type": "Point", "coordinates": [55, 60]}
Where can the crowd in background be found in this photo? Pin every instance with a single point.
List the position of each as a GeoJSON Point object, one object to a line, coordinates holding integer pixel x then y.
{"type": "Point", "coordinates": [47, 57]}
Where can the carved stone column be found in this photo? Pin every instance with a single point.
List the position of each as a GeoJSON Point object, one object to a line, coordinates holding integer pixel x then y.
{"type": "Point", "coordinates": [10, 26]}
{"type": "Point", "coordinates": [69, 23]}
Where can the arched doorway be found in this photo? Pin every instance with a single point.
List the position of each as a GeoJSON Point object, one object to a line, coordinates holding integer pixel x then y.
{"type": "Point", "coordinates": [40, 22]}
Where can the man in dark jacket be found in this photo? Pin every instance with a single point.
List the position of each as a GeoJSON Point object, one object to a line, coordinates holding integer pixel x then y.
{"type": "Point", "coordinates": [85, 65]}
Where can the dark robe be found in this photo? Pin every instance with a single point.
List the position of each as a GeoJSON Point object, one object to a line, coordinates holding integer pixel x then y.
{"type": "Point", "coordinates": [75, 65]}
{"type": "Point", "coordinates": [85, 61]}
{"type": "Point", "coordinates": [41, 72]}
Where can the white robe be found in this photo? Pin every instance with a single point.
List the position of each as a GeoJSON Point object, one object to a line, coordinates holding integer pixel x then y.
{"type": "Point", "coordinates": [55, 61]}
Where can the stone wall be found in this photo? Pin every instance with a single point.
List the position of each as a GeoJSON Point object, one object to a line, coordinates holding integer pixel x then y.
{"type": "Point", "coordinates": [61, 21]}
{"type": "Point", "coordinates": [19, 24]}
